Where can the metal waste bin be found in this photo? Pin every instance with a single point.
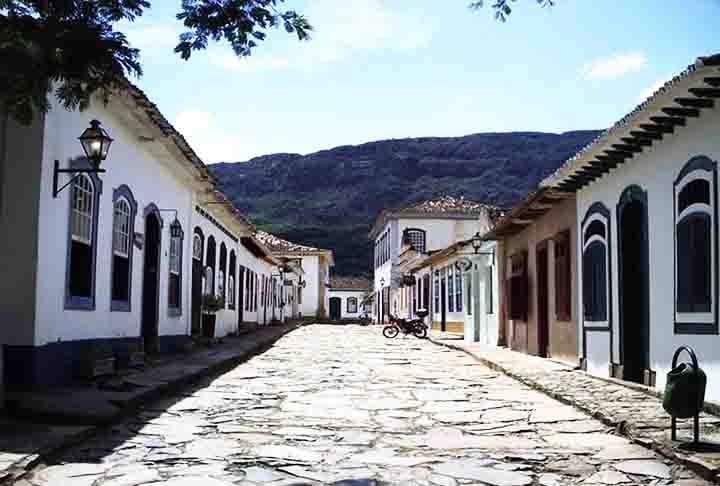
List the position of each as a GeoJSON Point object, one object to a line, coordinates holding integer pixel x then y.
{"type": "Point", "coordinates": [684, 395]}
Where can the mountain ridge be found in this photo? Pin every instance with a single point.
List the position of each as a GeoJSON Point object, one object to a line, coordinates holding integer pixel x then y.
{"type": "Point", "coordinates": [330, 198]}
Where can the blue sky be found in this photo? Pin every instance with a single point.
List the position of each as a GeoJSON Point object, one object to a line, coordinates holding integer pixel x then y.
{"type": "Point", "coordinates": [378, 69]}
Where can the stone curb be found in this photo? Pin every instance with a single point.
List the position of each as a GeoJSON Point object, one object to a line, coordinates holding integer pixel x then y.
{"type": "Point", "coordinates": [705, 470]}
{"type": "Point", "coordinates": [21, 467]}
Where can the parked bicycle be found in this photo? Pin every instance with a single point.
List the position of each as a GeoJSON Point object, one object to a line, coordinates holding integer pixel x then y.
{"type": "Point", "coordinates": [416, 327]}
{"type": "Point", "coordinates": [365, 319]}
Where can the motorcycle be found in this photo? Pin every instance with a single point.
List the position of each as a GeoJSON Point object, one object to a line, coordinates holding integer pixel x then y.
{"type": "Point", "coordinates": [416, 327]}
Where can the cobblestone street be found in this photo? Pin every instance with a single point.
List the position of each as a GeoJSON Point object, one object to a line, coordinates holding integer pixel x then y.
{"type": "Point", "coordinates": [331, 404]}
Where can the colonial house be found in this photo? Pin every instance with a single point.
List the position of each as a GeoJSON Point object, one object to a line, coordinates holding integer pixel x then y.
{"type": "Point", "coordinates": [538, 270]}
{"type": "Point", "coordinates": [315, 263]}
{"type": "Point", "coordinates": [116, 258]}
{"type": "Point", "coordinates": [346, 297]}
{"type": "Point", "coordinates": [458, 286]}
{"type": "Point", "coordinates": [427, 226]}
{"type": "Point", "coordinates": [647, 209]}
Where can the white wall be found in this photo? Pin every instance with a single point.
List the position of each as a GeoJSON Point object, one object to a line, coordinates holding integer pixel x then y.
{"type": "Point", "coordinates": [20, 172]}
{"type": "Point", "coordinates": [655, 171]}
{"type": "Point", "coordinates": [344, 295]}
{"type": "Point", "coordinates": [483, 325]}
{"type": "Point", "coordinates": [317, 275]}
{"type": "Point", "coordinates": [439, 233]}
{"type": "Point", "coordinates": [227, 319]}
{"type": "Point", "coordinates": [152, 180]}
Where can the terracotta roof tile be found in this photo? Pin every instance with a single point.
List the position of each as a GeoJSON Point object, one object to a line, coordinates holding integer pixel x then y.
{"type": "Point", "coordinates": [278, 245]}
{"type": "Point", "coordinates": [449, 204]}
{"type": "Point", "coordinates": [569, 166]}
{"type": "Point", "coordinates": [354, 283]}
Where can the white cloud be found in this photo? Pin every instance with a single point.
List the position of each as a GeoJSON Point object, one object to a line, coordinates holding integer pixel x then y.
{"type": "Point", "coordinates": [613, 67]}
{"type": "Point", "coordinates": [341, 29]}
{"type": "Point", "coordinates": [210, 140]}
{"type": "Point", "coordinates": [651, 90]}
{"type": "Point", "coordinates": [148, 35]}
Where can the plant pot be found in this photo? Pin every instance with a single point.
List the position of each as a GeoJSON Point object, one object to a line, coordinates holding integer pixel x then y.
{"type": "Point", "coordinates": [208, 325]}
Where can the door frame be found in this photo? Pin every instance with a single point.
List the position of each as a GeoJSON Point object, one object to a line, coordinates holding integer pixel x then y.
{"type": "Point", "coordinates": [151, 211]}
{"type": "Point", "coordinates": [542, 297]}
{"type": "Point", "coordinates": [196, 311]}
{"type": "Point", "coordinates": [337, 300]}
{"type": "Point", "coordinates": [634, 193]}
{"type": "Point", "coordinates": [240, 283]}
{"type": "Point", "coordinates": [443, 302]}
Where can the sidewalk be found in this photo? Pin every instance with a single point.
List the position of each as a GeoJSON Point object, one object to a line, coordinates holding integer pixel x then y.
{"type": "Point", "coordinates": [634, 411]}
{"type": "Point", "coordinates": [77, 410]}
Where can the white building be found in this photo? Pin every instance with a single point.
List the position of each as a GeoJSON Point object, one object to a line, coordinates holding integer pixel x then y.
{"type": "Point", "coordinates": [315, 264]}
{"type": "Point", "coordinates": [458, 287]}
{"type": "Point", "coordinates": [117, 259]}
{"type": "Point", "coordinates": [647, 206]}
{"type": "Point", "coordinates": [428, 227]}
{"type": "Point", "coordinates": [346, 298]}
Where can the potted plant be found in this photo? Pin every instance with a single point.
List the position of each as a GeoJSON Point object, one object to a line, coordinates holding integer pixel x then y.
{"type": "Point", "coordinates": [211, 304]}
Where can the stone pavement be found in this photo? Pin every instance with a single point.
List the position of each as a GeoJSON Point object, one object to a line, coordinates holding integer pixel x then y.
{"type": "Point", "coordinates": [342, 405]}
{"type": "Point", "coordinates": [633, 410]}
{"type": "Point", "coordinates": [51, 419]}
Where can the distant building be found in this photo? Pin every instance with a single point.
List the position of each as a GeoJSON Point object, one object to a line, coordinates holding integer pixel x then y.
{"type": "Point", "coordinates": [427, 227]}
{"type": "Point", "coordinates": [346, 297]}
{"type": "Point", "coordinates": [457, 286]}
{"type": "Point", "coordinates": [315, 263]}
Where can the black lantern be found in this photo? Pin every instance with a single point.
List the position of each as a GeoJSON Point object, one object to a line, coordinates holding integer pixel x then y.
{"type": "Point", "coordinates": [175, 229]}
{"type": "Point", "coordinates": [477, 242]}
{"type": "Point", "coordinates": [96, 143]}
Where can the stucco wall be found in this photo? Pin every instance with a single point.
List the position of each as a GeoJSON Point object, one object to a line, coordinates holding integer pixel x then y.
{"type": "Point", "coordinates": [227, 319]}
{"type": "Point", "coordinates": [152, 179]}
{"type": "Point", "coordinates": [344, 295]}
{"type": "Point", "coordinates": [655, 171]}
{"type": "Point", "coordinates": [563, 342]}
{"type": "Point", "coordinates": [311, 292]}
{"type": "Point", "coordinates": [20, 168]}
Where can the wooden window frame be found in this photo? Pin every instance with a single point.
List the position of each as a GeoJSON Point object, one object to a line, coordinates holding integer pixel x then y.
{"type": "Point", "coordinates": [352, 300]}
{"type": "Point", "coordinates": [697, 168]}
{"type": "Point", "coordinates": [78, 302]}
{"type": "Point", "coordinates": [176, 310]}
{"type": "Point", "coordinates": [518, 283]}
{"type": "Point", "coordinates": [123, 193]}
{"type": "Point", "coordinates": [563, 276]}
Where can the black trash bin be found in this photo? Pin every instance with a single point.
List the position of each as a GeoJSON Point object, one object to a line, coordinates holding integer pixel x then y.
{"type": "Point", "coordinates": [684, 395]}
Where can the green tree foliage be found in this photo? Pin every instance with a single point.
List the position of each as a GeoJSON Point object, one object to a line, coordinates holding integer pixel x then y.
{"type": "Point", "coordinates": [73, 45]}
{"type": "Point", "coordinates": [503, 9]}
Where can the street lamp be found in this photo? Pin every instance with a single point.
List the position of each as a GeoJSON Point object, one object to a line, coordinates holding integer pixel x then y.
{"type": "Point", "coordinates": [477, 242]}
{"type": "Point", "coordinates": [95, 142]}
{"type": "Point", "coordinates": [176, 229]}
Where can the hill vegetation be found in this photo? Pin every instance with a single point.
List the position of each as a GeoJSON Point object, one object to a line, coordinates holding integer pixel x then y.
{"type": "Point", "coordinates": [330, 198]}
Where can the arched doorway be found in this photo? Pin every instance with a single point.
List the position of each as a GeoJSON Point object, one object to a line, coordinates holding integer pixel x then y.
{"type": "Point", "coordinates": [632, 220]}
{"type": "Point", "coordinates": [197, 280]}
{"type": "Point", "coordinates": [335, 308]}
{"type": "Point", "coordinates": [151, 279]}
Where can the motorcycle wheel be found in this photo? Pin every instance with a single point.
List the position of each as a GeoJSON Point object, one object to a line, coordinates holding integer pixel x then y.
{"type": "Point", "coordinates": [420, 332]}
{"type": "Point", "coordinates": [390, 332]}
